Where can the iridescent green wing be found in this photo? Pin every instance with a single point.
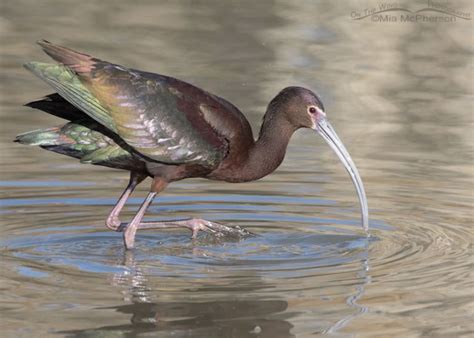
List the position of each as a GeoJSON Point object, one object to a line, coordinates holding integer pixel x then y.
{"type": "Point", "coordinates": [84, 142]}
{"type": "Point", "coordinates": [159, 117]}
{"type": "Point", "coordinates": [68, 85]}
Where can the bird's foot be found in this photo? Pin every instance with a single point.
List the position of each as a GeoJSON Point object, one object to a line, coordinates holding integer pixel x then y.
{"type": "Point", "coordinates": [216, 229]}
{"type": "Point", "coordinates": [197, 224]}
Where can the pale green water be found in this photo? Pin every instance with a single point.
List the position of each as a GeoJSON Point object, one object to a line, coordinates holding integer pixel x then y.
{"type": "Point", "coordinates": [398, 94]}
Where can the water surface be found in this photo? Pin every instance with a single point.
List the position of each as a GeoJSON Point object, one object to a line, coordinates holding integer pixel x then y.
{"type": "Point", "coordinates": [398, 94]}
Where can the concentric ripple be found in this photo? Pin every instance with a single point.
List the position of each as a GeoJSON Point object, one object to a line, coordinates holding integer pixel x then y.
{"type": "Point", "coordinates": [310, 259]}
{"type": "Point", "coordinates": [296, 254]}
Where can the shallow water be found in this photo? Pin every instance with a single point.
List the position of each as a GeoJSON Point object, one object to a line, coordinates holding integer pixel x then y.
{"type": "Point", "coordinates": [399, 96]}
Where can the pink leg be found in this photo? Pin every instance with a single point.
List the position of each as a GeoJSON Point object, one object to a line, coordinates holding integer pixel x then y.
{"type": "Point", "coordinates": [131, 230]}
{"type": "Point", "coordinates": [194, 224]}
{"type": "Point", "coordinates": [113, 222]}
{"type": "Point", "coordinates": [157, 185]}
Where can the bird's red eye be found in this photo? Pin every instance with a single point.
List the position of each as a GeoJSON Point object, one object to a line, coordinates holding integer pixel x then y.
{"type": "Point", "coordinates": [312, 110]}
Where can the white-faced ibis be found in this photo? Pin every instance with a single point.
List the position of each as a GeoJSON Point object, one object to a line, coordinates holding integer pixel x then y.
{"type": "Point", "coordinates": [164, 128]}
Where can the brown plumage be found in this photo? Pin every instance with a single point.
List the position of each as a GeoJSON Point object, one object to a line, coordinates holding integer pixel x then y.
{"type": "Point", "coordinates": [158, 126]}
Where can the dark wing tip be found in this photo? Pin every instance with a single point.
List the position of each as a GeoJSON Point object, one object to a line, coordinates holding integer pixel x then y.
{"type": "Point", "coordinates": [54, 97]}
{"type": "Point", "coordinates": [35, 103]}
{"type": "Point", "coordinates": [56, 105]}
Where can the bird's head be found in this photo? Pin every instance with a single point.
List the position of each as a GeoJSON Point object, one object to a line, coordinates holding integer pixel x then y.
{"type": "Point", "coordinates": [303, 108]}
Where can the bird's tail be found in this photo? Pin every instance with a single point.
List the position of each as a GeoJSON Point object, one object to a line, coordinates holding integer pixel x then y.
{"type": "Point", "coordinates": [54, 139]}
{"type": "Point", "coordinates": [83, 142]}
{"type": "Point", "coordinates": [41, 137]}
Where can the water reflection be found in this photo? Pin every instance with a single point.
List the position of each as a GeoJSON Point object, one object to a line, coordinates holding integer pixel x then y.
{"type": "Point", "coordinates": [353, 300]}
{"type": "Point", "coordinates": [160, 299]}
{"type": "Point", "coordinates": [208, 319]}
{"type": "Point", "coordinates": [213, 318]}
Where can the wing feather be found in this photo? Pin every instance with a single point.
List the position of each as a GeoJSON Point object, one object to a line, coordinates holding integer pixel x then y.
{"type": "Point", "coordinates": [159, 117]}
{"type": "Point", "coordinates": [67, 84]}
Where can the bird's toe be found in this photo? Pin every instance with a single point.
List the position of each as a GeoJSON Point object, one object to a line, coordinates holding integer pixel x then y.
{"type": "Point", "coordinates": [218, 229]}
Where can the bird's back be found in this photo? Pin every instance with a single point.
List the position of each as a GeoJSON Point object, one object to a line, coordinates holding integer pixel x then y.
{"type": "Point", "coordinates": [159, 118]}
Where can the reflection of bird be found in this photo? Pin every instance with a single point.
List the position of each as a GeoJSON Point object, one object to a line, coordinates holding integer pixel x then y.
{"type": "Point", "coordinates": [203, 315]}
{"type": "Point", "coordinates": [158, 126]}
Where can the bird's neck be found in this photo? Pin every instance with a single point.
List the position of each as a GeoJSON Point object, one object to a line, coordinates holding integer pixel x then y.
{"type": "Point", "coordinates": [269, 150]}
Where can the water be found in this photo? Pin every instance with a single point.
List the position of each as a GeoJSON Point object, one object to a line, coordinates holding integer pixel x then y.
{"type": "Point", "coordinates": [398, 94]}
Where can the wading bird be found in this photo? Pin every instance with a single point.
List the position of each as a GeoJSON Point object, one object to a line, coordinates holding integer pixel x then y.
{"type": "Point", "coordinates": [164, 128]}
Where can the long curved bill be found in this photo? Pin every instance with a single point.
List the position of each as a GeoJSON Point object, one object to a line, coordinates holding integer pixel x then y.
{"type": "Point", "coordinates": [325, 129]}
